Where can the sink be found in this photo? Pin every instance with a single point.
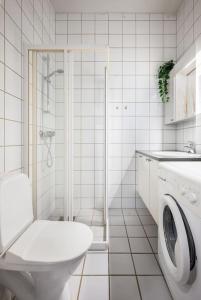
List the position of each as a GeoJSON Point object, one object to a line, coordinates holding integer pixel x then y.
{"type": "Point", "coordinates": [176, 154]}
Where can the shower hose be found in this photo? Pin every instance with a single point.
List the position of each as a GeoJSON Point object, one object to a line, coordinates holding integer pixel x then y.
{"type": "Point", "coordinates": [49, 154]}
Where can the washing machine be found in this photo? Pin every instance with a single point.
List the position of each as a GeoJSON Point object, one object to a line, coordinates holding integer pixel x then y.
{"type": "Point", "coordinates": [179, 229]}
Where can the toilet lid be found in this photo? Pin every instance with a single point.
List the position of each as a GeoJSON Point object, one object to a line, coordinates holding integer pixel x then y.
{"type": "Point", "coordinates": [52, 242]}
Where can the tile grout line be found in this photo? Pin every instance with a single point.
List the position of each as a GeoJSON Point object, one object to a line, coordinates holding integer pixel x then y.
{"type": "Point", "coordinates": [81, 275]}
{"type": "Point", "coordinates": [156, 261]}
{"type": "Point", "coordinates": [133, 260]}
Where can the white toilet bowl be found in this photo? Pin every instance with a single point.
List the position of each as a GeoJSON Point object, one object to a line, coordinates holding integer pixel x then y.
{"type": "Point", "coordinates": [37, 257]}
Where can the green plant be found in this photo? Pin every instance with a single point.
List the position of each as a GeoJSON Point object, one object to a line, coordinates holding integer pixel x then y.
{"type": "Point", "coordinates": [163, 79]}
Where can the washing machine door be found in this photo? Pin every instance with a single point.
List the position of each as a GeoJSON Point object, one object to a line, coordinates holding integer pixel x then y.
{"type": "Point", "coordinates": [176, 240]}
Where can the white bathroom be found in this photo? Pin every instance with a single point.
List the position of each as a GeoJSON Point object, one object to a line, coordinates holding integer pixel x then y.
{"type": "Point", "coordinates": [100, 149]}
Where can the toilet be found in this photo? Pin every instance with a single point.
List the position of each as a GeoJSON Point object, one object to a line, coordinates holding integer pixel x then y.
{"type": "Point", "coordinates": [37, 257]}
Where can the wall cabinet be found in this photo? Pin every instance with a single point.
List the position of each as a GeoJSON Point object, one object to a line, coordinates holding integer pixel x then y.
{"type": "Point", "coordinates": [170, 105]}
{"type": "Point", "coordinates": [182, 90]}
{"type": "Point", "coordinates": [147, 183]}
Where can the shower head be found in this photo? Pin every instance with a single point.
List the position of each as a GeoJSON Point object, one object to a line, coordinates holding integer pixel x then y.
{"type": "Point", "coordinates": [59, 71]}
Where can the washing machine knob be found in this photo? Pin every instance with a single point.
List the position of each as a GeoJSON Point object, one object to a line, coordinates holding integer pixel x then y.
{"type": "Point", "coordinates": [192, 197]}
{"type": "Point", "coordinates": [183, 191]}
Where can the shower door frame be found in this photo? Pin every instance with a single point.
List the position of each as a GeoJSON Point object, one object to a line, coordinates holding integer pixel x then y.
{"type": "Point", "coordinates": [68, 129]}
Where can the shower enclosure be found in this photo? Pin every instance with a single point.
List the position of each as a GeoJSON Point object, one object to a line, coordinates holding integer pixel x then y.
{"type": "Point", "coordinates": [66, 135]}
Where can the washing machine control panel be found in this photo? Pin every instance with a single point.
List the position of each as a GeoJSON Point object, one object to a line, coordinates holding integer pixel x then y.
{"type": "Point", "coordinates": [183, 188]}
{"type": "Point", "coordinates": [192, 198]}
{"type": "Point", "coordinates": [191, 195]}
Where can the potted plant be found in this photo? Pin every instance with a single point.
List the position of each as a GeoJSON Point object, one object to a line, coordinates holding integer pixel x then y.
{"type": "Point", "coordinates": [163, 79]}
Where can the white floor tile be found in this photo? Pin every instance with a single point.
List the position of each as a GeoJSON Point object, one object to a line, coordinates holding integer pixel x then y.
{"type": "Point", "coordinates": [94, 288]}
{"type": "Point", "coordinates": [147, 220]}
{"type": "Point", "coordinates": [119, 245]}
{"type": "Point", "coordinates": [143, 212]}
{"type": "Point", "coordinates": [154, 244]}
{"type": "Point", "coordinates": [115, 212]}
{"type": "Point", "coordinates": [96, 264]}
{"type": "Point", "coordinates": [121, 264]}
{"type": "Point", "coordinates": [146, 264]}
{"type": "Point", "coordinates": [135, 231]}
{"type": "Point", "coordinates": [151, 230]}
{"type": "Point", "coordinates": [124, 288]}
{"type": "Point", "coordinates": [116, 220]}
{"type": "Point", "coordinates": [130, 212]}
{"type": "Point", "coordinates": [132, 220]}
{"type": "Point", "coordinates": [140, 245]}
{"type": "Point", "coordinates": [117, 231]}
{"type": "Point", "coordinates": [153, 287]}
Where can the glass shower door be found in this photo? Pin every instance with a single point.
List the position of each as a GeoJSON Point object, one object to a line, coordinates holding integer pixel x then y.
{"type": "Point", "coordinates": [89, 142]}
{"type": "Point", "coordinates": [67, 139]}
{"type": "Point", "coordinates": [44, 155]}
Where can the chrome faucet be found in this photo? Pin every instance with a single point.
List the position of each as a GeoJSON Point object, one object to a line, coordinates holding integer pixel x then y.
{"type": "Point", "coordinates": [190, 147]}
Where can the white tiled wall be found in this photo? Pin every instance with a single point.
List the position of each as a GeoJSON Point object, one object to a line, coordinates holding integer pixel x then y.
{"type": "Point", "coordinates": [188, 31]}
{"type": "Point", "coordinates": [21, 22]}
{"type": "Point", "coordinates": [138, 43]}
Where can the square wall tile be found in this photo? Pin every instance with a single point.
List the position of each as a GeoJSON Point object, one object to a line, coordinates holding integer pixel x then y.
{"type": "Point", "coordinates": [13, 83]}
{"type": "Point", "coordinates": [13, 158]}
{"type": "Point", "coordinates": [12, 33]}
{"type": "Point", "coordinates": [142, 27]}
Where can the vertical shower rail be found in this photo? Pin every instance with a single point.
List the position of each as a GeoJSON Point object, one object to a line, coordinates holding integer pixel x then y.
{"type": "Point", "coordinates": [68, 129]}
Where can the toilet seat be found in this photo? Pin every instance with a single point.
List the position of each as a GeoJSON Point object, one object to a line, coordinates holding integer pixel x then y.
{"type": "Point", "coordinates": [41, 255]}
{"type": "Point", "coordinates": [46, 244]}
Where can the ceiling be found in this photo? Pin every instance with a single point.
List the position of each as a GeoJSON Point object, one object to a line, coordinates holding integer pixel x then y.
{"type": "Point", "coordinates": [101, 6]}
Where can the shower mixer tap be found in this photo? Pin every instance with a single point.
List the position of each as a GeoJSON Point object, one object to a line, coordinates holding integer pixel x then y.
{"type": "Point", "coordinates": [47, 134]}
{"type": "Point", "coordinates": [47, 138]}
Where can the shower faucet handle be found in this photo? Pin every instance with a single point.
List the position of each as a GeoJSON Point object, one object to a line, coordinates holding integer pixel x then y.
{"type": "Point", "coordinates": [47, 134]}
